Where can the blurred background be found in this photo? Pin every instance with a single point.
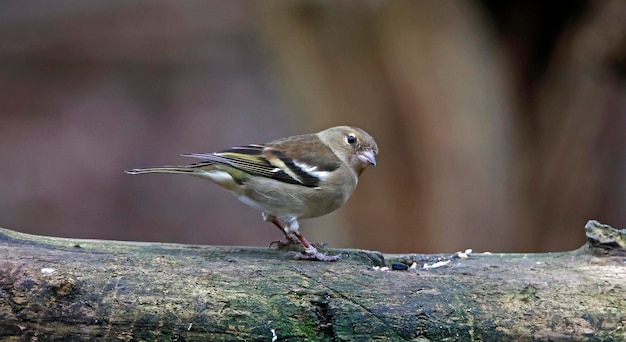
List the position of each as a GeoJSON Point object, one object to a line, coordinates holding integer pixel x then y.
{"type": "Point", "coordinates": [501, 124]}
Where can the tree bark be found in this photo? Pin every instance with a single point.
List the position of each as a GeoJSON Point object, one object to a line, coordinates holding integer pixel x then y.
{"type": "Point", "coordinates": [68, 289]}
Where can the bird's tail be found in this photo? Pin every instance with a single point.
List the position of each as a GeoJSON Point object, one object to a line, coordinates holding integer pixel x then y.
{"type": "Point", "coordinates": [163, 169]}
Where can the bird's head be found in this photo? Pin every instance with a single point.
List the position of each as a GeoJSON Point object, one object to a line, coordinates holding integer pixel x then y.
{"type": "Point", "coordinates": [353, 145]}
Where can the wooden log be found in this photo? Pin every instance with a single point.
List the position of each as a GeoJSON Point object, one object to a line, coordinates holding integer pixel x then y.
{"type": "Point", "coordinates": [69, 289]}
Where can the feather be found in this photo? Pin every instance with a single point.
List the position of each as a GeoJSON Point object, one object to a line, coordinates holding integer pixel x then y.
{"type": "Point", "coordinates": [265, 161]}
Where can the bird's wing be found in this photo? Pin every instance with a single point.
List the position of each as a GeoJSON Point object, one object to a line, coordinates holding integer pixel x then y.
{"type": "Point", "coordinates": [307, 151]}
{"type": "Point", "coordinates": [276, 160]}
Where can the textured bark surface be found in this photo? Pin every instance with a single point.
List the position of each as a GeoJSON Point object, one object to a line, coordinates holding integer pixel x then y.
{"type": "Point", "coordinates": [66, 289]}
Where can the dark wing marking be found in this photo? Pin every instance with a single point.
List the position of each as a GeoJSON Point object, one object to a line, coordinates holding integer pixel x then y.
{"type": "Point", "coordinates": [290, 170]}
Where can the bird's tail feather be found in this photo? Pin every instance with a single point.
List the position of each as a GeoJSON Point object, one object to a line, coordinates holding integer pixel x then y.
{"type": "Point", "coordinates": [162, 169]}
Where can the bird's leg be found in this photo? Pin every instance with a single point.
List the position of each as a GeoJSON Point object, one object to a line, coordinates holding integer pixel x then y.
{"type": "Point", "coordinates": [310, 252]}
{"type": "Point", "coordinates": [292, 239]}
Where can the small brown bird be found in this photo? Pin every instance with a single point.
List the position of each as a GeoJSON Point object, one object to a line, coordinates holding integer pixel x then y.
{"type": "Point", "coordinates": [302, 176]}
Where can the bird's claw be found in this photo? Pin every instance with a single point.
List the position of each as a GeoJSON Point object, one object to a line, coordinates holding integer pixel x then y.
{"type": "Point", "coordinates": [283, 244]}
{"type": "Point", "coordinates": [313, 254]}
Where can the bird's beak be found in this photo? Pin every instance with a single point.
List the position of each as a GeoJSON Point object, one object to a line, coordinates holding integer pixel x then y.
{"type": "Point", "coordinates": [367, 156]}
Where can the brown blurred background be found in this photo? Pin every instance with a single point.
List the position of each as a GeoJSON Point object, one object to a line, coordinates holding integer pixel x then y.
{"type": "Point", "coordinates": [501, 124]}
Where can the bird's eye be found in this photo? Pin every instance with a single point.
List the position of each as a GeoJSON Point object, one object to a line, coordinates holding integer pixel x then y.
{"type": "Point", "coordinates": [351, 139]}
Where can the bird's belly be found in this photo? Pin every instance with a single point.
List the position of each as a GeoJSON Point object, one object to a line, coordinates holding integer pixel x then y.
{"type": "Point", "coordinates": [312, 205]}
{"type": "Point", "coordinates": [254, 204]}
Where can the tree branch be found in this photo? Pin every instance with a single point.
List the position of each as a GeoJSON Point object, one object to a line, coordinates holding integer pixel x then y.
{"type": "Point", "coordinates": [56, 288]}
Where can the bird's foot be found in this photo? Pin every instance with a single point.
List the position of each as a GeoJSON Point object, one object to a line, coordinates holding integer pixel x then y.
{"type": "Point", "coordinates": [283, 244]}
{"type": "Point", "coordinates": [312, 253]}
{"type": "Point", "coordinates": [292, 240]}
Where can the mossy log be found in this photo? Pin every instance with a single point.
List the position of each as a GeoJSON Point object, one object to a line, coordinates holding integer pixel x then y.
{"type": "Point", "coordinates": [68, 289]}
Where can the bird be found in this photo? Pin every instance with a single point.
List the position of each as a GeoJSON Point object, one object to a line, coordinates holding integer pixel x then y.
{"type": "Point", "coordinates": [298, 177]}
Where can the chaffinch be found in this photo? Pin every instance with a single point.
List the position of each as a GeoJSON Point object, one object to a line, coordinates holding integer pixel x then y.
{"type": "Point", "coordinates": [302, 176]}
